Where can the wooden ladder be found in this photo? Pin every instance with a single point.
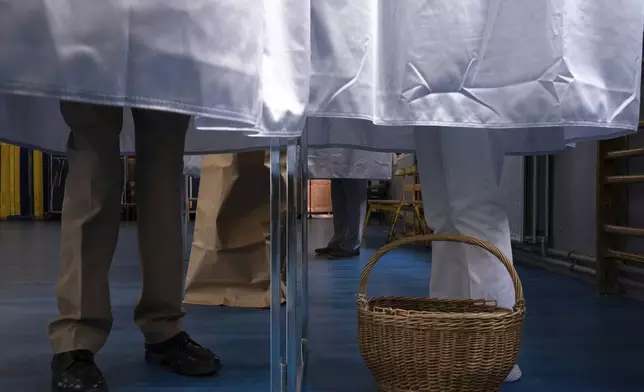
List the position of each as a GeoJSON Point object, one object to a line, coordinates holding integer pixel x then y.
{"type": "Point", "coordinates": [612, 211]}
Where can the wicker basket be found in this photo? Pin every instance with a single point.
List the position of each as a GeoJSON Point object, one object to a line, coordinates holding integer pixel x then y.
{"type": "Point", "coordinates": [419, 344]}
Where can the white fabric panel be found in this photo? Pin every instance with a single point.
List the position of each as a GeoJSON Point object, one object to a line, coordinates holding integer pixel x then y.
{"type": "Point", "coordinates": [544, 74]}
{"type": "Point", "coordinates": [329, 163]}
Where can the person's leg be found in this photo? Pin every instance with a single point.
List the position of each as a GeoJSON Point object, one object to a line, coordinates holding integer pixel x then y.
{"type": "Point", "coordinates": [460, 171]}
{"type": "Point", "coordinates": [339, 217]}
{"type": "Point", "coordinates": [90, 224]}
{"type": "Point", "coordinates": [160, 140]}
{"type": "Point", "coordinates": [355, 205]}
{"type": "Point", "coordinates": [355, 209]}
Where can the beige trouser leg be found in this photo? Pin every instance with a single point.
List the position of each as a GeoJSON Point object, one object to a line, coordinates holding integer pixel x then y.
{"type": "Point", "coordinates": [91, 212]}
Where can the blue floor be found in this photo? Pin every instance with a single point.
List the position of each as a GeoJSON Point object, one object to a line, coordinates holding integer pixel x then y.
{"type": "Point", "coordinates": [573, 342]}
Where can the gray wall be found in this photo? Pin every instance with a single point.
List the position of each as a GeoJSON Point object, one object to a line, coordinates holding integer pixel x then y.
{"type": "Point", "coordinates": [573, 200]}
{"type": "Point", "coordinates": [573, 197]}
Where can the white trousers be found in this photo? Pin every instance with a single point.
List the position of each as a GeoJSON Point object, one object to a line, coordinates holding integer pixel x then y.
{"type": "Point", "coordinates": [460, 170]}
{"type": "Point", "coordinates": [349, 201]}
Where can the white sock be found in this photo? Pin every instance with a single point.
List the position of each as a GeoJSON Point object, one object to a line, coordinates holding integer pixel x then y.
{"type": "Point", "coordinates": [515, 374]}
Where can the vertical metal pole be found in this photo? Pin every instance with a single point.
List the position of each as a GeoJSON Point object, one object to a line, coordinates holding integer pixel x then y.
{"type": "Point", "coordinates": [50, 183]}
{"type": "Point", "coordinates": [547, 199]}
{"type": "Point", "coordinates": [293, 341]}
{"type": "Point", "coordinates": [546, 207]}
{"type": "Point", "coordinates": [535, 198]}
{"type": "Point", "coordinates": [310, 205]}
{"type": "Point", "coordinates": [276, 267]}
{"type": "Point", "coordinates": [304, 266]}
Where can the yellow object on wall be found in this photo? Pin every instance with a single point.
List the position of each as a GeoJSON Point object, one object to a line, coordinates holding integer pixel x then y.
{"type": "Point", "coordinates": [38, 185]}
{"type": "Point", "coordinates": [9, 181]}
{"type": "Point", "coordinates": [5, 183]}
{"type": "Point", "coordinates": [15, 181]}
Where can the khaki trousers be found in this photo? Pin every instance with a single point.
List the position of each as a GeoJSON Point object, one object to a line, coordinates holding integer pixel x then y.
{"type": "Point", "coordinates": [91, 219]}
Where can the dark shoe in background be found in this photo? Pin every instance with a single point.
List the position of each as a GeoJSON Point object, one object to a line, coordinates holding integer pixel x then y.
{"type": "Point", "coordinates": [75, 371]}
{"type": "Point", "coordinates": [339, 254]}
{"type": "Point", "coordinates": [324, 251]}
{"type": "Point", "coordinates": [184, 356]}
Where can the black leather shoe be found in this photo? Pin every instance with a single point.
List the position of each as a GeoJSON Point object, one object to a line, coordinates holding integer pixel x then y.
{"type": "Point", "coordinates": [184, 356]}
{"type": "Point", "coordinates": [324, 251]}
{"type": "Point", "coordinates": [343, 254]}
{"type": "Point", "coordinates": [75, 371]}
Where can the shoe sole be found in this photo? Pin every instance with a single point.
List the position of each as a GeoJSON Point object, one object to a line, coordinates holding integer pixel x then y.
{"type": "Point", "coordinates": [157, 360]}
{"type": "Point", "coordinates": [335, 257]}
{"type": "Point", "coordinates": [55, 388]}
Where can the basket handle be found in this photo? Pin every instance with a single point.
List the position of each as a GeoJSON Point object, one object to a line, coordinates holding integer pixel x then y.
{"type": "Point", "coordinates": [518, 287]}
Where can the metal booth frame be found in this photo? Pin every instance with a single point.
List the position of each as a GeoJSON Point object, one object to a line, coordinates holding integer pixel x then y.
{"type": "Point", "coordinates": [288, 362]}
{"type": "Point", "coordinates": [288, 330]}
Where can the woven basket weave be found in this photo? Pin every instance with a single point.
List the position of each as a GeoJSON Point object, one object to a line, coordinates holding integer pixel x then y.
{"type": "Point", "coordinates": [433, 345]}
